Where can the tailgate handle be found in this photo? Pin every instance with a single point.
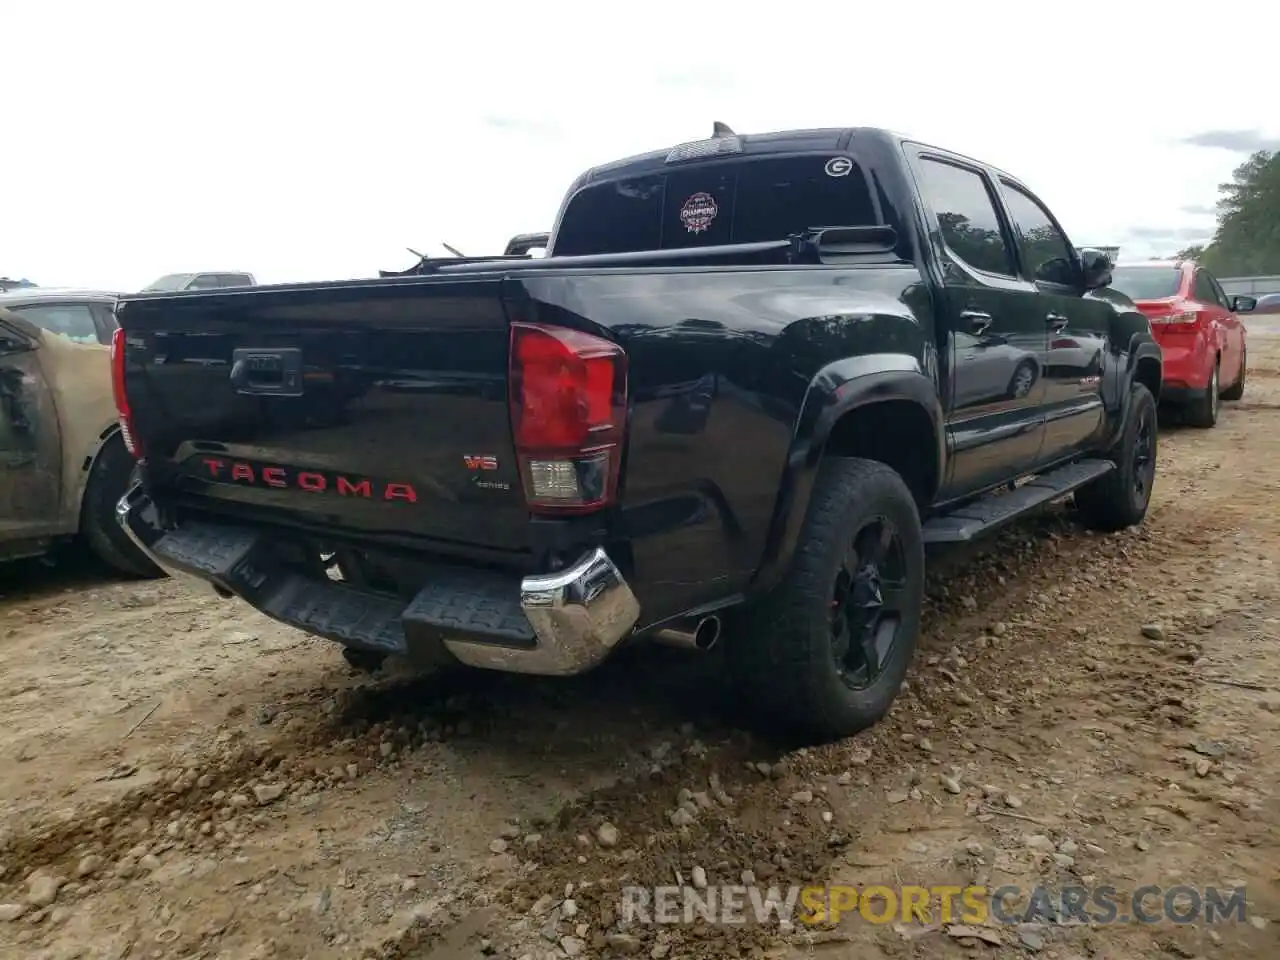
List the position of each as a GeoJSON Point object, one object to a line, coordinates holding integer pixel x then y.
{"type": "Point", "coordinates": [270, 372]}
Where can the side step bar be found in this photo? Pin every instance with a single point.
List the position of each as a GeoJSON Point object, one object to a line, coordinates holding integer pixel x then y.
{"type": "Point", "coordinates": [982, 516]}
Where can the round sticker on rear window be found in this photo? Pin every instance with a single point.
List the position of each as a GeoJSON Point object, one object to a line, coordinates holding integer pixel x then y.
{"type": "Point", "coordinates": [839, 167]}
{"type": "Point", "coordinates": [698, 212]}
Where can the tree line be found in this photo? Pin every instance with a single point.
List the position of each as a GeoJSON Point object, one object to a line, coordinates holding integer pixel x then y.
{"type": "Point", "coordinates": [1247, 239]}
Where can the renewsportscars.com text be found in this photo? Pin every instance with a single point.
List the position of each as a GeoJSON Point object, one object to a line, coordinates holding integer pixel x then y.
{"type": "Point", "coordinates": [1008, 904]}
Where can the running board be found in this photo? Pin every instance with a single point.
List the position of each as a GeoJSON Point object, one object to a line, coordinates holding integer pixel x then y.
{"type": "Point", "coordinates": [982, 516]}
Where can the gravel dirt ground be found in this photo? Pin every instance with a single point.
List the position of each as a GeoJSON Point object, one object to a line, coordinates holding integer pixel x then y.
{"type": "Point", "coordinates": [183, 778]}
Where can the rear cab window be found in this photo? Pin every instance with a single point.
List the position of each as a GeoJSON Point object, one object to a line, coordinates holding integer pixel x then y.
{"type": "Point", "coordinates": [746, 200]}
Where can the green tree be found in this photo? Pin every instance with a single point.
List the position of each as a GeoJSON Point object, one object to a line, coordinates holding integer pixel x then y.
{"type": "Point", "coordinates": [1247, 240]}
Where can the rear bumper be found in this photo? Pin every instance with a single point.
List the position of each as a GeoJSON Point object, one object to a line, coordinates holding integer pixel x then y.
{"type": "Point", "coordinates": [1178, 396]}
{"type": "Point", "coordinates": [555, 624]}
{"type": "Point", "coordinates": [1187, 363]}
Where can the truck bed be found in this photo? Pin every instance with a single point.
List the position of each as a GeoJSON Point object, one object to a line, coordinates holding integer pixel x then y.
{"type": "Point", "coordinates": [394, 432]}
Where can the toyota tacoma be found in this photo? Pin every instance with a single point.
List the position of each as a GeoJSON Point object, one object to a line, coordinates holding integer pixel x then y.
{"type": "Point", "coordinates": [752, 379]}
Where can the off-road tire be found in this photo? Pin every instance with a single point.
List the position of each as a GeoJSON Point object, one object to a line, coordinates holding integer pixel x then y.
{"type": "Point", "coordinates": [108, 480]}
{"type": "Point", "coordinates": [779, 651]}
{"type": "Point", "coordinates": [1236, 390]}
{"type": "Point", "coordinates": [1114, 501]}
{"type": "Point", "coordinates": [1204, 412]}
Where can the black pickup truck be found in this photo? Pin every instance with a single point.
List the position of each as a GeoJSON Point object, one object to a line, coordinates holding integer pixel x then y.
{"type": "Point", "coordinates": [753, 377]}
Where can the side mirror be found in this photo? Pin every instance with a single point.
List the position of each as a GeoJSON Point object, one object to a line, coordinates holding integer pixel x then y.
{"type": "Point", "coordinates": [1096, 267]}
{"type": "Point", "coordinates": [1243, 304]}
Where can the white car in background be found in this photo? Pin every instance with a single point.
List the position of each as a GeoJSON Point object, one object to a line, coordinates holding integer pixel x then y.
{"type": "Point", "coordinates": [208, 280]}
{"type": "Point", "coordinates": [63, 463]}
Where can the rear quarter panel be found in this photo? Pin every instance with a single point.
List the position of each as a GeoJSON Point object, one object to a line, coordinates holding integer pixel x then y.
{"type": "Point", "coordinates": [79, 375]}
{"type": "Point", "coordinates": [720, 365]}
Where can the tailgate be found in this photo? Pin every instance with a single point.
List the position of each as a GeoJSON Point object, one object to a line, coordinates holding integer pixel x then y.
{"type": "Point", "coordinates": [360, 408]}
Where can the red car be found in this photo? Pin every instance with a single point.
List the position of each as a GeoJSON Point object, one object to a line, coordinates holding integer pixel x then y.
{"type": "Point", "coordinates": [1196, 326]}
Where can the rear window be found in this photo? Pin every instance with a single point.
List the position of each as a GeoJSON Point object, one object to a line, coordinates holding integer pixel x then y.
{"type": "Point", "coordinates": [760, 199]}
{"type": "Point", "coordinates": [1146, 283]}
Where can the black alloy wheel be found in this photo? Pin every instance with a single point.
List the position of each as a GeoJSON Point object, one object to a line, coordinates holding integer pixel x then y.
{"type": "Point", "coordinates": [868, 603]}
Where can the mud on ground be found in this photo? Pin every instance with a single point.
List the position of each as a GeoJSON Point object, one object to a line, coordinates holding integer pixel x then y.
{"type": "Point", "coordinates": [184, 778]}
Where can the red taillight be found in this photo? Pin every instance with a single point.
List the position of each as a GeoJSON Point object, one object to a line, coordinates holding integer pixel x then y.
{"type": "Point", "coordinates": [118, 392]}
{"type": "Point", "coordinates": [1173, 313]}
{"type": "Point", "coordinates": [568, 410]}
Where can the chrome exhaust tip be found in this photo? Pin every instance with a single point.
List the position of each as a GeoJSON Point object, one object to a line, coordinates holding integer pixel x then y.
{"type": "Point", "coordinates": [701, 634]}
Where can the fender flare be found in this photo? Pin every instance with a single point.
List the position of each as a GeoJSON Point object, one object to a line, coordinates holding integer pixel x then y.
{"type": "Point", "coordinates": [837, 389]}
{"type": "Point", "coordinates": [86, 471]}
{"type": "Point", "coordinates": [1142, 347]}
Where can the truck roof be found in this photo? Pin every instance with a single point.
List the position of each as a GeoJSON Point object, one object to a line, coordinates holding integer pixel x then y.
{"type": "Point", "coordinates": [38, 294]}
{"type": "Point", "coordinates": [817, 140]}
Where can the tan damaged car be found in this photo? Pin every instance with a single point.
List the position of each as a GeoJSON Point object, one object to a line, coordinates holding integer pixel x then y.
{"type": "Point", "coordinates": [63, 464]}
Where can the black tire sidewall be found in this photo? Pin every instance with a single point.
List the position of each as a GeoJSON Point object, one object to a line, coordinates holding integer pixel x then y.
{"type": "Point", "coordinates": [1141, 401]}
{"type": "Point", "coordinates": [1111, 502]}
{"type": "Point", "coordinates": [856, 491]}
{"type": "Point", "coordinates": [1203, 412]}
{"type": "Point", "coordinates": [1236, 390]}
{"type": "Point", "coordinates": [109, 478]}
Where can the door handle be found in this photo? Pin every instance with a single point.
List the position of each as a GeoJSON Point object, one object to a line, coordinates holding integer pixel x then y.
{"type": "Point", "coordinates": [1056, 321]}
{"type": "Point", "coordinates": [976, 321]}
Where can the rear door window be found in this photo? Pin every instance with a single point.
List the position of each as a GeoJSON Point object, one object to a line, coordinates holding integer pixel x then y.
{"type": "Point", "coordinates": [1202, 289]}
{"type": "Point", "coordinates": [71, 320]}
{"type": "Point", "coordinates": [1219, 294]}
{"type": "Point", "coordinates": [105, 316]}
{"type": "Point", "coordinates": [751, 200]}
{"type": "Point", "coordinates": [967, 218]}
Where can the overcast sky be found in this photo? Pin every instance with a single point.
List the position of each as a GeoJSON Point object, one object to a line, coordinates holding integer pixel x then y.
{"type": "Point", "coordinates": [317, 141]}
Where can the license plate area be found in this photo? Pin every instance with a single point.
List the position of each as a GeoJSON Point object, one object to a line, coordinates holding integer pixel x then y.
{"type": "Point", "coordinates": [267, 372]}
